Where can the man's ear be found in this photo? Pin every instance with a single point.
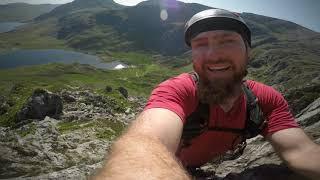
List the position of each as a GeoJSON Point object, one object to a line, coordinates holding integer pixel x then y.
{"type": "Point", "coordinates": [249, 52]}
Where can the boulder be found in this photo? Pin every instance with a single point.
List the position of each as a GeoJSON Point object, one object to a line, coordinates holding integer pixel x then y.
{"type": "Point", "coordinates": [310, 115]}
{"type": "Point", "coordinates": [42, 103]}
{"type": "Point", "coordinates": [46, 153]}
{"type": "Point", "coordinates": [4, 106]}
{"type": "Point", "coordinates": [108, 89]}
{"type": "Point", "coordinates": [123, 91]}
{"type": "Point", "coordinates": [310, 119]}
{"type": "Point", "coordinates": [68, 97]}
{"type": "Point", "coordinates": [300, 97]}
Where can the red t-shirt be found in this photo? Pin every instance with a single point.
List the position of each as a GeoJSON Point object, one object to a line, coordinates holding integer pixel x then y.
{"type": "Point", "coordinates": [178, 94]}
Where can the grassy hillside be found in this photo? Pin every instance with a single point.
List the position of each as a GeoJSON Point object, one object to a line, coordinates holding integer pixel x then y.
{"type": "Point", "coordinates": [23, 12]}
{"type": "Point", "coordinates": [34, 36]}
{"type": "Point", "coordinates": [284, 54]}
{"type": "Point", "coordinates": [81, 6]}
{"type": "Point", "coordinates": [16, 85]}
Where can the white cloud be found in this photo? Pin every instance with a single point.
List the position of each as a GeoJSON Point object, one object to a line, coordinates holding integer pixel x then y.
{"type": "Point", "coordinates": [128, 2]}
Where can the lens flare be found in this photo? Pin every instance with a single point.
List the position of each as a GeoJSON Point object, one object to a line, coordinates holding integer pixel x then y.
{"type": "Point", "coordinates": [164, 14]}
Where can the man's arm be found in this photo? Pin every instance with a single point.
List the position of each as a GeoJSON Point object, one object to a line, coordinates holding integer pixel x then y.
{"type": "Point", "coordinates": [146, 150]}
{"type": "Point", "coordinates": [298, 151]}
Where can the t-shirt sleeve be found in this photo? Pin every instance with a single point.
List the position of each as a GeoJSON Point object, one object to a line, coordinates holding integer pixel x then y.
{"type": "Point", "coordinates": [275, 109]}
{"type": "Point", "coordinates": [176, 94]}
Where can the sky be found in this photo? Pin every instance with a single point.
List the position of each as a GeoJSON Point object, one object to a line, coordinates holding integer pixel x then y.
{"type": "Point", "coordinates": [303, 12]}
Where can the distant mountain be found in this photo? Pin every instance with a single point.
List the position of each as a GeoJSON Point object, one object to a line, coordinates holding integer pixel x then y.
{"type": "Point", "coordinates": [82, 5]}
{"type": "Point", "coordinates": [23, 12]}
{"type": "Point", "coordinates": [137, 28]}
{"type": "Point", "coordinates": [284, 53]}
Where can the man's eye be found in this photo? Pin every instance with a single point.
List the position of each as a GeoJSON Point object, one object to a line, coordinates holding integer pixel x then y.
{"type": "Point", "coordinates": [201, 44]}
{"type": "Point", "coordinates": [228, 41]}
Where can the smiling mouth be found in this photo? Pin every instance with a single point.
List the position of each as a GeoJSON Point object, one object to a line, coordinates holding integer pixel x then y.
{"type": "Point", "coordinates": [218, 68]}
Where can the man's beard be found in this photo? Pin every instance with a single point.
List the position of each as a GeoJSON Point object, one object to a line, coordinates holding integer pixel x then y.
{"type": "Point", "coordinates": [218, 90]}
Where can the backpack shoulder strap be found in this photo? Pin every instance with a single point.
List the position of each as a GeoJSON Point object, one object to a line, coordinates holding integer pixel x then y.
{"type": "Point", "coordinates": [197, 121]}
{"type": "Point", "coordinates": [194, 76]}
{"type": "Point", "coordinates": [255, 120]}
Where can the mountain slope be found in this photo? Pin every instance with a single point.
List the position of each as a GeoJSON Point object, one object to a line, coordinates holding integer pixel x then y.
{"type": "Point", "coordinates": [23, 11]}
{"type": "Point", "coordinates": [137, 28]}
{"type": "Point", "coordinates": [284, 54]}
{"type": "Point", "coordinates": [82, 5]}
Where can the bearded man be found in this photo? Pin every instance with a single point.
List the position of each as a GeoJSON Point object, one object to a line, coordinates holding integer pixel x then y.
{"type": "Point", "coordinates": [154, 146]}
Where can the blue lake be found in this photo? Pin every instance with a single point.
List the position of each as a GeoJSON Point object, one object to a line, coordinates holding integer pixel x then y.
{"type": "Point", "coordinates": [35, 57]}
{"type": "Point", "coordinates": [9, 26]}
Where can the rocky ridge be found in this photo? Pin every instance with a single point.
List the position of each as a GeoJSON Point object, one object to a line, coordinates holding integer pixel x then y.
{"type": "Point", "coordinates": [69, 147]}
{"type": "Point", "coordinates": [74, 145]}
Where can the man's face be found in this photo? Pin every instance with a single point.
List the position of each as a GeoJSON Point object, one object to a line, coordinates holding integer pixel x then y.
{"type": "Point", "coordinates": [220, 58]}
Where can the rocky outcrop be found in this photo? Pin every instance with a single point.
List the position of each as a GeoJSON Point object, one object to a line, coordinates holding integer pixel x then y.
{"type": "Point", "coordinates": [310, 119]}
{"type": "Point", "coordinates": [300, 97]}
{"type": "Point", "coordinates": [72, 147]}
{"type": "Point", "coordinates": [4, 106]}
{"type": "Point", "coordinates": [42, 103]}
{"type": "Point", "coordinates": [108, 89]}
{"type": "Point", "coordinates": [86, 105]}
{"type": "Point", "coordinates": [45, 150]}
{"type": "Point", "coordinates": [123, 91]}
{"type": "Point", "coordinates": [310, 115]}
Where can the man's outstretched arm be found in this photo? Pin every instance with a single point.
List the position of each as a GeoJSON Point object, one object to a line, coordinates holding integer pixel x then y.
{"type": "Point", "coordinates": [298, 151]}
{"type": "Point", "coordinates": [146, 150]}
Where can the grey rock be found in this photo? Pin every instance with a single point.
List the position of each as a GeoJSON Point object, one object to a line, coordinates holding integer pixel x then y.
{"type": "Point", "coordinates": [39, 150]}
{"type": "Point", "coordinates": [123, 91]}
{"type": "Point", "coordinates": [48, 154]}
{"type": "Point", "coordinates": [41, 104]}
{"type": "Point", "coordinates": [108, 89]}
{"type": "Point", "coordinates": [265, 172]}
{"type": "Point", "coordinates": [4, 106]}
{"type": "Point", "coordinates": [67, 96]}
{"type": "Point", "coordinates": [310, 115]}
{"type": "Point", "coordinates": [300, 97]}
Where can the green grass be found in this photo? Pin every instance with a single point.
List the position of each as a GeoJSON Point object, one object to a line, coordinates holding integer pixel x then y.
{"type": "Point", "coordinates": [104, 128]}
{"type": "Point", "coordinates": [33, 36]}
{"type": "Point", "coordinates": [30, 129]}
{"type": "Point", "coordinates": [23, 12]}
{"type": "Point", "coordinates": [74, 125]}
{"type": "Point", "coordinates": [133, 58]}
{"type": "Point", "coordinates": [16, 85]}
{"type": "Point", "coordinates": [109, 129]}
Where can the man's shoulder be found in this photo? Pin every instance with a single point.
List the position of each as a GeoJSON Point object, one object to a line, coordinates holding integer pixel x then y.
{"type": "Point", "coordinates": [182, 81]}
{"type": "Point", "coordinates": [177, 94]}
{"type": "Point", "coordinates": [266, 94]}
{"type": "Point", "coordinates": [257, 87]}
{"type": "Point", "coordinates": [181, 78]}
{"type": "Point", "coordinates": [256, 84]}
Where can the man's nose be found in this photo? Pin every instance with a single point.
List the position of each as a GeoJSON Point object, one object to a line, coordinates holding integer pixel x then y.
{"type": "Point", "coordinates": [214, 52]}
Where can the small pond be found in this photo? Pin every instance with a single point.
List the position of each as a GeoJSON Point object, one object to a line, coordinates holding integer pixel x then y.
{"type": "Point", "coordinates": [20, 58]}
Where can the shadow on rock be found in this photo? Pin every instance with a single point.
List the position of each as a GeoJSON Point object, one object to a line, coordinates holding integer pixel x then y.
{"type": "Point", "coordinates": [266, 172]}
